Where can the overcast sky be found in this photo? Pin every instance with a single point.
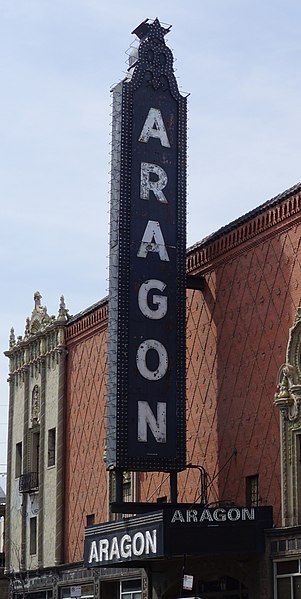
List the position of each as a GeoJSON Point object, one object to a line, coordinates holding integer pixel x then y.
{"type": "Point", "coordinates": [239, 59]}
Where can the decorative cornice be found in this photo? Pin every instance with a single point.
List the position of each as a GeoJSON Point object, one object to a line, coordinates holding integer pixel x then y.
{"type": "Point", "coordinates": [258, 221]}
{"type": "Point", "coordinates": [86, 322]}
{"type": "Point", "coordinates": [38, 326]}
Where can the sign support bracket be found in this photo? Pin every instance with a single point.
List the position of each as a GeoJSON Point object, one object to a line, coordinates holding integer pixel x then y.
{"type": "Point", "coordinates": [195, 282]}
{"type": "Point", "coordinates": [173, 481]}
{"type": "Point", "coordinates": [119, 485]}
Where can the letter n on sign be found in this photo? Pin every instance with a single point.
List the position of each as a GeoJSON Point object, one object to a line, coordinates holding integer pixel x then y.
{"type": "Point", "coordinates": [146, 394]}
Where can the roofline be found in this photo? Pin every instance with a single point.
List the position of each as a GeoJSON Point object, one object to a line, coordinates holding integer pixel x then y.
{"type": "Point", "coordinates": [210, 238]}
{"type": "Point", "coordinates": [87, 311]}
{"type": "Point", "coordinates": [245, 217]}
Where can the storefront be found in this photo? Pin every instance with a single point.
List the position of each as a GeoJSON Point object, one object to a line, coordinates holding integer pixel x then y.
{"type": "Point", "coordinates": [78, 582]}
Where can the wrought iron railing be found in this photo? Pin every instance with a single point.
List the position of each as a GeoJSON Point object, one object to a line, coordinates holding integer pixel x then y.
{"type": "Point", "coordinates": [28, 482]}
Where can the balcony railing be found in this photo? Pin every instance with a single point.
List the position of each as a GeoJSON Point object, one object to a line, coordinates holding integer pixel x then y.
{"type": "Point", "coordinates": [28, 482]}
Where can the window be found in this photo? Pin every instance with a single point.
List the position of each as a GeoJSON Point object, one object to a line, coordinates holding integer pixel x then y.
{"type": "Point", "coordinates": [90, 519]}
{"type": "Point", "coordinates": [130, 589]}
{"type": "Point", "coordinates": [33, 536]}
{"type": "Point", "coordinates": [51, 447]}
{"type": "Point", "coordinates": [39, 595]}
{"type": "Point", "coordinates": [287, 579]}
{"type": "Point", "coordinates": [252, 496]}
{"type": "Point", "coordinates": [128, 491]}
{"type": "Point", "coordinates": [35, 453]}
{"type": "Point", "coordinates": [18, 465]}
{"type": "Point", "coordinates": [86, 591]}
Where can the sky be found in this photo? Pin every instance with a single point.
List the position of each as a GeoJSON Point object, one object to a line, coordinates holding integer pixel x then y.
{"type": "Point", "coordinates": [238, 59]}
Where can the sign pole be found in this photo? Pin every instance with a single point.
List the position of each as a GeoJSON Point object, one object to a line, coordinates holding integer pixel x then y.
{"type": "Point", "coordinates": [173, 479]}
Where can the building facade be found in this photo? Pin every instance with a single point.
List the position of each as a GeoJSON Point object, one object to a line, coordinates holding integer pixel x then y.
{"type": "Point", "coordinates": [4, 582]}
{"type": "Point", "coordinates": [34, 517]}
{"type": "Point", "coordinates": [243, 339]}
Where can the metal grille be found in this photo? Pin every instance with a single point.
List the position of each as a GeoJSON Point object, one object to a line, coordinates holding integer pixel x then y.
{"type": "Point", "coordinates": [28, 482]}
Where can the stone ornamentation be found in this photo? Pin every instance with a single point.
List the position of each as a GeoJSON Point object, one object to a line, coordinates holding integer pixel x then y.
{"type": "Point", "coordinates": [35, 405]}
{"type": "Point", "coordinates": [288, 400]}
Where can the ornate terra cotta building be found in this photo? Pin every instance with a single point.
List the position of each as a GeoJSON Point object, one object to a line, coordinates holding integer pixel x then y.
{"type": "Point", "coordinates": [237, 337]}
{"type": "Point", "coordinates": [243, 339]}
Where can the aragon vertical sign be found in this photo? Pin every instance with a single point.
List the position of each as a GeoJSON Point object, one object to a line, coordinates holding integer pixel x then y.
{"type": "Point", "coordinates": [146, 394]}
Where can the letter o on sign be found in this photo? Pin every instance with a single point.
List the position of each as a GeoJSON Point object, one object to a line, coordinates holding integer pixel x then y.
{"type": "Point", "coordinates": [138, 543]}
{"type": "Point", "coordinates": [152, 375]}
{"type": "Point", "coordinates": [234, 514]}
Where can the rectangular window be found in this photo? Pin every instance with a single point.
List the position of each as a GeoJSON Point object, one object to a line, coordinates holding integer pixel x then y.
{"type": "Point", "coordinates": [127, 491]}
{"type": "Point", "coordinates": [51, 447]}
{"type": "Point", "coordinates": [86, 591]}
{"type": "Point", "coordinates": [288, 579]}
{"type": "Point", "coordinates": [18, 465]}
{"type": "Point", "coordinates": [90, 519]}
{"type": "Point", "coordinates": [35, 454]}
{"type": "Point", "coordinates": [130, 589]}
{"type": "Point", "coordinates": [252, 493]}
{"type": "Point", "coordinates": [33, 536]}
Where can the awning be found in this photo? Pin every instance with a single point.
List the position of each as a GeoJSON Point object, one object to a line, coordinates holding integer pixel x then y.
{"type": "Point", "coordinates": [184, 530]}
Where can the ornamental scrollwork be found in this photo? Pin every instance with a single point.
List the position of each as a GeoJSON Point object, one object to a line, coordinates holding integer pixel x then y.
{"type": "Point", "coordinates": [288, 395]}
{"type": "Point", "coordinates": [35, 404]}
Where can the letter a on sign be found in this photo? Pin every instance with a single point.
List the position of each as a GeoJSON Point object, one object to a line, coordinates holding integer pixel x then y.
{"type": "Point", "coordinates": [152, 241]}
{"type": "Point", "coordinates": [154, 127]}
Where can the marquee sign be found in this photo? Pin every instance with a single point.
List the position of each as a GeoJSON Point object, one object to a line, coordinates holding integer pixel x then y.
{"type": "Point", "coordinates": [117, 542]}
{"type": "Point", "coordinates": [146, 395]}
{"type": "Point", "coordinates": [190, 530]}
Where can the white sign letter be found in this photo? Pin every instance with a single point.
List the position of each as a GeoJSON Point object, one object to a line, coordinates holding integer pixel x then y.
{"type": "Point", "coordinates": [138, 536]}
{"type": "Point", "coordinates": [153, 241]}
{"type": "Point", "coordinates": [146, 185]}
{"type": "Point", "coordinates": [146, 417]}
{"type": "Point", "coordinates": [144, 347]}
{"type": "Point", "coordinates": [158, 300]}
{"type": "Point", "coordinates": [93, 552]}
{"type": "Point", "coordinates": [103, 550]}
{"type": "Point", "coordinates": [125, 546]}
{"type": "Point", "coordinates": [178, 516]}
{"type": "Point", "coordinates": [114, 549]}
{"type": "Point", "coordinates": [150, 542]}
{"type": "Point", "coordinates": [154, 127]}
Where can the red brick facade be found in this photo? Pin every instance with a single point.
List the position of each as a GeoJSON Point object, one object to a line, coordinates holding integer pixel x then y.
{"type": "Point", "coordinates": [85, 489]}
{"type": "Point", "coordinates": [237, 333]}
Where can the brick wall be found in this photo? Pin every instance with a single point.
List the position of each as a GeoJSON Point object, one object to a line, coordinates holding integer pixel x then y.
{"type": "Point", "coordinates": [237, 333]}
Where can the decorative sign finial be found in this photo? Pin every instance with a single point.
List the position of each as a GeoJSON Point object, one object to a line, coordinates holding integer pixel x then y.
{"type": "Point", "coordinates": [151, 29]}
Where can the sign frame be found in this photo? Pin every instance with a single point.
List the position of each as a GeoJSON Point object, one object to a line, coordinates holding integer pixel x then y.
{"type": "Point", "coordinates": [124, 452]}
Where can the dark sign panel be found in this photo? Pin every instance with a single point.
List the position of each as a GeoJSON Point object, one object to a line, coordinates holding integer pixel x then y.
{"type": "Point", "coordinates": [146, 403]}
{"type": "Point", "coordinates": [205, 531]}
{"type": "Point", "coordinates": [190, 530]}
{"type": "Point", "coordinates": [126, 541]}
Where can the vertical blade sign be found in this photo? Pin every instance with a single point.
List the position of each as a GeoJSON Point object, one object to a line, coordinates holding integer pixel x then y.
{"type": "Point", "coordinates": [146, 394]}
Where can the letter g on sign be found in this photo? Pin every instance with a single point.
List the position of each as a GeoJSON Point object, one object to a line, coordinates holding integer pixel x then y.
{"type": "Point", "coordinates": [158, 300]}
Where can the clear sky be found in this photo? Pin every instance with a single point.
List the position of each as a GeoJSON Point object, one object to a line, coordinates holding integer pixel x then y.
{"type": "Point", "coordinates": [239, 59]}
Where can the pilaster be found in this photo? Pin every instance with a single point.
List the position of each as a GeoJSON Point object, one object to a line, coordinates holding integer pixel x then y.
{"type": "Point", "coordinates": [59, 550]}
{"type": "Point", "coordinates": [11, 381]}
